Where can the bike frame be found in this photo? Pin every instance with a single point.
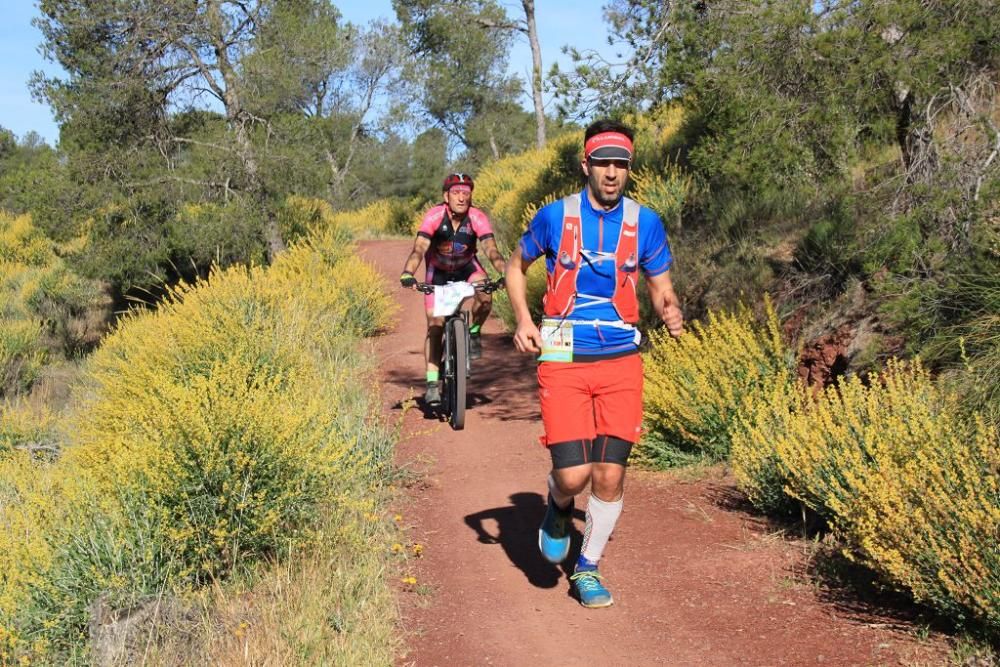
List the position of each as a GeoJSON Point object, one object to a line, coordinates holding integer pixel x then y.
{"type": "Point", "coordinates": [455, 365]}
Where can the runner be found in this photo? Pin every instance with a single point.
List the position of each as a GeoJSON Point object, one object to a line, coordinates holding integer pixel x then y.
{"type": "Point", "coordinates": [447, 240]}
{"type": "Point", "coordinates": [590, 372]}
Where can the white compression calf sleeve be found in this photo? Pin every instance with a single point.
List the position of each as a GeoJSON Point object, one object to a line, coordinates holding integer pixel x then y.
{"type": "Point", "coordinates": [562, 500]}
{"type": "Point", "coordinates": [601, 519]}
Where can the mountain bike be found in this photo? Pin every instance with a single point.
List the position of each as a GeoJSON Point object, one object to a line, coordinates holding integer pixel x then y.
{"type": "Point", "coordinates": [455, 364]}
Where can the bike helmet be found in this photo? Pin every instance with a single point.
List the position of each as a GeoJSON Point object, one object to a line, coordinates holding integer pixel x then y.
{"type": "Point", "coordinates": [452, 180]}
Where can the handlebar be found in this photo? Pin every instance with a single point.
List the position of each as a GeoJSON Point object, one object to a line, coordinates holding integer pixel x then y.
{"type": "Point", "coordinates": [487, 287]}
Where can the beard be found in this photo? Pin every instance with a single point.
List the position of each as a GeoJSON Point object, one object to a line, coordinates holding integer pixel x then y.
{"type": "Point", "coordinates": [605, 200]}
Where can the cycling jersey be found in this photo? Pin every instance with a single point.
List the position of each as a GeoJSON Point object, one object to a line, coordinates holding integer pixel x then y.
{"type": "Point", "coordinates": [453, 246]}
{"type": "Point", "coordinates": [597, 335]}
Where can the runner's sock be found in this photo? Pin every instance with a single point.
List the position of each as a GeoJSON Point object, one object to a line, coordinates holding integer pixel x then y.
{"type": "Point", "coordinates": [561, 499]}
{"type": "Point", "coordinates": [432, 376]}
{"type": "Point", "coordinates": [601, 519]}
{"type": "Point", "coordinates": [582, 564]}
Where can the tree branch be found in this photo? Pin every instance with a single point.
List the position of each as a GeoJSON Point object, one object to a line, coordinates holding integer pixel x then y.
{"type": "Point", "coordinates": [204, 144]}
{"type": "Point", "coordinates": [490, 24]}
{"type": "Point", "coordinates": [206, 71]}
{"type": "Point", "coordinates": [36, 447]}
{"type": "Point", "coordinates": [224, 186]}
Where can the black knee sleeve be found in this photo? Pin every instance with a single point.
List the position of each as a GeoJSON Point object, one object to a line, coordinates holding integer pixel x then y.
{"type": "Point", "coordinates": [570, 453]}
{"type": "Point", "coordinates": [609, 449]}
{"type": "Point", "coordinates": [603, 449]}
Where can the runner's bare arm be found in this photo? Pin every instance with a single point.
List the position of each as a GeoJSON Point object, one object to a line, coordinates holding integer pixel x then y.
{"type": "Point", "coordinates": [526, 337]}
{"type": "Point", "coordinates": [666, 303]}
{"type": "Point", "coordinates": [420, 247]}
{"type": "Point", "coordinates": [496, 259]}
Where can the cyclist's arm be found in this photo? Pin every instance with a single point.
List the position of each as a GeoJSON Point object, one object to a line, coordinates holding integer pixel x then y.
{"type": "Point", "coordinates": [526, 336]}
{"type": "Point", "coordinates": [420, 248]}
{"type": "Point", "coordinates": [665, 301]}
{"type": "Point", "coordinates": [493, 254]}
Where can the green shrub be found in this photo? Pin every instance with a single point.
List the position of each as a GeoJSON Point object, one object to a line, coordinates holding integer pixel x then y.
{"type": "Point", "coordinates": [205, 234]}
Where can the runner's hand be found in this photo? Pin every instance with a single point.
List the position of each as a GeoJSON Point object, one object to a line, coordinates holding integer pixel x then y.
{"type": "Point", "coordinates": [406, 279]}
{"type": "Point", "coordinates": [674, 319]}
{"type": "Point", "coordinates": [527, 338]}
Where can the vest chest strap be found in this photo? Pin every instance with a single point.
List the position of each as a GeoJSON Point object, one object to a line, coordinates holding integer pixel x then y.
{"type": "Point", "coordinates": [584, 300]}
{"type": "Point", "coordinates": [614, 324]}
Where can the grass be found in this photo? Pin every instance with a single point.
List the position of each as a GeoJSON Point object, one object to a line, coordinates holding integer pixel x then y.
{"type": "Point", "coordinates": [326, 605]}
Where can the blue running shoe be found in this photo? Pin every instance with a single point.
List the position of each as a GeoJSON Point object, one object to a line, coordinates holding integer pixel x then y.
{"type": "Point", "coordinates": [592, 592]}
{"type": "Point", "coordinates": [553, 536]}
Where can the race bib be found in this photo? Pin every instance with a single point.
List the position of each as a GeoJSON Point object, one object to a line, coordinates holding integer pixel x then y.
{"type": "Point", "coordinates": [447, 298]}
{"type": "Point", "coordinates": [557, 340]}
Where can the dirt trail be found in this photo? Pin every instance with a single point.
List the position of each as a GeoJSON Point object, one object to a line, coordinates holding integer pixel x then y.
{"type": "Point", "coordinates": [697, 578]}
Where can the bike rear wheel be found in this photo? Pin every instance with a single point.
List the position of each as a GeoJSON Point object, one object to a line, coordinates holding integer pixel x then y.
{"type": "Point", "coordinates": [458, 344]}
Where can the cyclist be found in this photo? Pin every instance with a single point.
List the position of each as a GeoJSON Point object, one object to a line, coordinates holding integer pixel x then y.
{"type": "Point", "coordinates": [447, 239]}
{"type": "Point", "coordinates": [590, 372]}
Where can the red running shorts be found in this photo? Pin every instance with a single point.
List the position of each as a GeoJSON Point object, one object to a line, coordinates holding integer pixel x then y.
{"type": "Point", "coordinates": [581, 400]}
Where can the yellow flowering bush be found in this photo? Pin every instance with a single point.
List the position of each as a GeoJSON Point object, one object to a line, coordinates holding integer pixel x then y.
{"type": "Point", "coordinates": [654, 131]}
{"type": "Point", "coordinates": [39, 300]}
{"type": "Point", "coordinates": [664, 191]}
{"type": "Point", "coordinates": [696, 385]}
{"type": "Point", "coordinates": [299, 215]}
{"type": "Point", "coordinates": [302, 215]}
{"type": "Point", "coordinates": [208, 435]}
{"type": "Point", "coordinates": [761, 421]}
{"type": "Point", "coordinates": [37, 500]}
{"type": "Point", "coordinates": [216, 408]}
{"type": "Point", "coordinates": [513, 188]}
{"type": "Point", "coordinates": [26, 427]}
{"type": "Point", "coordinates": [909, 479]}
{"type": "Point", "coordinates": [23, 255]}
{"type": "Point", "coordinates": [334, 287]}
{"type": "Point", "coordinates": [22, 355]}
{"type": "Point", "coordinates": [21, 243]}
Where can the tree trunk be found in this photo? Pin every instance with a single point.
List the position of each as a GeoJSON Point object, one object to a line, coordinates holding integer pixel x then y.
{"type": "Point", "coordinates": [336, 175]}
{"type": "Point", "coordinates": [536, 71]}
{"type": "Point", "coordinates": [272, 233]}
{"type": "Point", "coordinates": [493, 145]}
{"type": "Point", "coordinates": [238, 118]}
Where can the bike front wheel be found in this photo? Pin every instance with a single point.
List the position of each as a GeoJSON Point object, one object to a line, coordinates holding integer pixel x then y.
{"type": "Point", "coordinates": [458, 344]}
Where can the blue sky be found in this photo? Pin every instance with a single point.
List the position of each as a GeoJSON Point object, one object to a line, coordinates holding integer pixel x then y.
{"type": "Point", "coordinates": [560, 22]}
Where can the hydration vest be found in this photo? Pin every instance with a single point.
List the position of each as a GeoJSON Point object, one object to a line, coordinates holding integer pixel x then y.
{"type": "Point", "coordinates": [561, 295]}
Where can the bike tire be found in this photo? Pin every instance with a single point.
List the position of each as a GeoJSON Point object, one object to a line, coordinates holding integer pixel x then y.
{"type": "Point", "coordinates": [445, 367]}
{"type": "Point", "coordinates": [459, 364]}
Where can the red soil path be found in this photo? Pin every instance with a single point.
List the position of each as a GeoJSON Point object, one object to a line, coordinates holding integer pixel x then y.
{"type": "Point", "coordinates": [698, 579]}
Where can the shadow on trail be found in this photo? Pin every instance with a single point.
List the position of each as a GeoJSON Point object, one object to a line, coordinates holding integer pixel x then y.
{"type": "Point", "coordinates": [502, 384]}
{"type": "Point", "coordinates": [517, 534]}
{"type": "Point", "coordinates": [854, 590]}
